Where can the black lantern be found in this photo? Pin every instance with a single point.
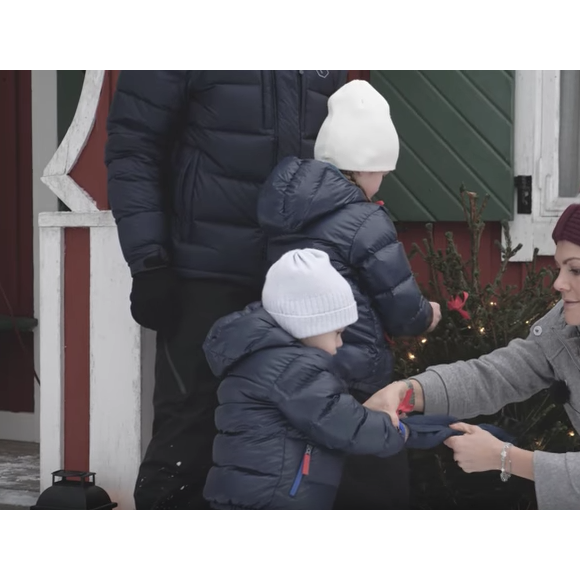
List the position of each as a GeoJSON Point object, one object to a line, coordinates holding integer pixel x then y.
{"type": "Point", "coordinates": [76, 490]}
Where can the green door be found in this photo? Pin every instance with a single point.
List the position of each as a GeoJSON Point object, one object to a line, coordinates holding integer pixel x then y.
{"type": "Point", "coordinates": [69, 87]}
{"type": "Point", "coordinates": [454, 127]}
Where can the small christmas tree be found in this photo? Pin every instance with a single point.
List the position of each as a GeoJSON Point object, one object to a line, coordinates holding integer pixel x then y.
{"type": "Point", "coordinates": [477, 319]}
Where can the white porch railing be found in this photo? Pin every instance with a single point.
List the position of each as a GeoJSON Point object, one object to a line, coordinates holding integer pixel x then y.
{"type": "Point", "coordinates": [121, 357]}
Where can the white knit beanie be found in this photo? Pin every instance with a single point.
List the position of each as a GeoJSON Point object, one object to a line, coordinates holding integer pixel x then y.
{"type": "Point", "coordinates": [306, 296]}
{"type": "Point", "coordinates": [358, 133]}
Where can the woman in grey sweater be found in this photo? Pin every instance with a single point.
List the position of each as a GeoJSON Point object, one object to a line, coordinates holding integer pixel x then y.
{"type": "Point", "coordinates": [511, 374]}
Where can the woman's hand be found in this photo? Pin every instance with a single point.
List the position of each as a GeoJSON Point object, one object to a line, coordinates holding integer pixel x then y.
{"type": "Point", "coordinates": [475, 451]}
{"type": "Point", "coordinates": [388, 400]}
{"type": "Point", "coordinates": [390, 397]}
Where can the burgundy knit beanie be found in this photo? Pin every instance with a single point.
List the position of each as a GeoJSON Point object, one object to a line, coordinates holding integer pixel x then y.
{"type": "Point", "coordinates": [568, 226]}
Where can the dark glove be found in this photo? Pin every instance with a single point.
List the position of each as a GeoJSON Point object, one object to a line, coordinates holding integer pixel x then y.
{"type": "Point", "coordinates": [560, 392]}
{"type": "Point", "coordinates": [429, 431]}
{"type": "Point", "coordinates": [155, 300]}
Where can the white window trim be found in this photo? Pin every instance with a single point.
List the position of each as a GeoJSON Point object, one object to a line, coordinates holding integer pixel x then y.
{"type": "Point", "coordinates": [536, 153]}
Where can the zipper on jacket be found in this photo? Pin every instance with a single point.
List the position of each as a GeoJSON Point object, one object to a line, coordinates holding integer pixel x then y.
{"type": "Point", "coordinates": [302, 105]}
{"type": "Point", "coordinates": [181, 196]}
{"type": "Point", "coordinates": [563, 343]}
{"type": "Point", "coordinates": [172, 367]}
{"type": "Point", "coordinates": [267, 101]}
{"type": "Point", "coordinates": [275, 104]}
{"type": "Point", "coordinates": [303, 470]}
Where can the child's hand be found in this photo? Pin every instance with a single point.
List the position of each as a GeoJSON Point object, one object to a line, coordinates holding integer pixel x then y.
{"type": "Point", "coordinates": [387, 400]}
{"type": "Point", "coordinates": [436, 316]}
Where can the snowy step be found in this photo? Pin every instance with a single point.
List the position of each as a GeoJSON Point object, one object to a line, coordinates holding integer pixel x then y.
{"type": "Point", "coordinates": [17, 499]}
{"type": "Point", "coordinates": [19, 474]}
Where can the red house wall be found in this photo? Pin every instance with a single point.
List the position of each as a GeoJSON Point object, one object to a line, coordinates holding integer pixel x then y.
{"type": "Point", "coordinates": [16, 229]}
{"type": "Point", "coordinates": [489, 254]}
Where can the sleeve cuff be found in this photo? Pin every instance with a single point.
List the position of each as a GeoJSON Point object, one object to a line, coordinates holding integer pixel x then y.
{"type": "Point", "coordinates": [434, 393]}
{"type": "Point", "coordinates": [155, 261]}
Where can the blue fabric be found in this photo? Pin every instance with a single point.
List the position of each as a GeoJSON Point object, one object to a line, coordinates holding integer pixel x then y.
{"type": "Point", "coordinates": [429, 431]}
{"type": "Point", "coordinates": [310, 204]}
{"type": "Point", "coordinates": [279, 400]}
{"type": "Point", "coordinates": [187, 152]}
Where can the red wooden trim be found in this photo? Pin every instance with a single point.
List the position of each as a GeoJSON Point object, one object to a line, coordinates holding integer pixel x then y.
{"type": "Point", "coordinates": [77, 348]}
{"type": "Point", "coordinates": [90, 171]}
{"type": "Point", "coordinates": [9, 191]}
{"type": "Point", "coordinates": [363, 75]}
{"type": "Point", "coordinates": [25, 220]}
{"type": "Point", "coordinates": [114, 79]}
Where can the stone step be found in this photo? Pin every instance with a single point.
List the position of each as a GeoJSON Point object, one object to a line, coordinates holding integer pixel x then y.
{"type": "Point", "coordinates": [4, 506]}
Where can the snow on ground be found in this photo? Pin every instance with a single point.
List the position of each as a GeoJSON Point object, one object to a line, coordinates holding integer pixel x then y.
{"type": "Point", "coordinates": [19, 474]}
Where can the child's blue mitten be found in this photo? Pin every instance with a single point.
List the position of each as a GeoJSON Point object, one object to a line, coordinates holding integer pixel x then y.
{"type": "Point", "coordinates": [429, 431]}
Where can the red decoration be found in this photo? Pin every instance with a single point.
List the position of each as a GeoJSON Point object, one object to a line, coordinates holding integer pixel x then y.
{"type": "Point", "coordinates": [405, 406]}
{"type": "Point", "coordinates": [458, 303]}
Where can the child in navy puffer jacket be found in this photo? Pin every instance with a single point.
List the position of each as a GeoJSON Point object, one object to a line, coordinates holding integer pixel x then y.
{"type": "Point", "coordinates": [285, 418]}
{"type": "Point", "coordinates": [325, 204]}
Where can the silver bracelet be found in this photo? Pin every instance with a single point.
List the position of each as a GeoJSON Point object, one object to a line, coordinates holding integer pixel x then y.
{"type": "Point", "coordinates": [505, 475]}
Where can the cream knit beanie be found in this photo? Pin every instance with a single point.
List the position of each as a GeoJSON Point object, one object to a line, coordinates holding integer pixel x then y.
{"type": "Point", "coordinates": [306, 296]}
{"type": "Point", "coordinates": [358, 133]}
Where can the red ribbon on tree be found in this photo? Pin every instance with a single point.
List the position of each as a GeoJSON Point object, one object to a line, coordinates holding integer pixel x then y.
{"type": "Point", "coordinates": [458, 303]}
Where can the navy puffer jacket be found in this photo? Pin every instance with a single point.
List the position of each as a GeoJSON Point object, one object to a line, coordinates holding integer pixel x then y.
{"type": "Point", "coordinates": [285, 421]}
{"type": "Point", "coordinates": [310, 204]}
{"type": "Point", "coordinates": [187, 152]}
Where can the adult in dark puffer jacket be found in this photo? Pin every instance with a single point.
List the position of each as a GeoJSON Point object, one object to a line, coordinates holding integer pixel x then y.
{"type": "Point", "coordinates": [285, 419]}
{"type": "Point", "coordinates": [325, 204]}
{"type": "Point", "coordinates": [187, 152]}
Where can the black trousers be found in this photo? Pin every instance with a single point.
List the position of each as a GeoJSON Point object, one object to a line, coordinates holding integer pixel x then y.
{"type": "Point", "coordinates": [374, 483]}
{"type": "Point", "coordinates": [173, 472]}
